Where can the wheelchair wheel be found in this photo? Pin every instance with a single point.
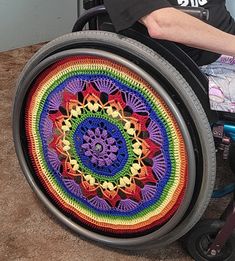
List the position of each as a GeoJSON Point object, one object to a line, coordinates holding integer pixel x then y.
{"type": "Point", "coordinates": [113, 140]}
{"type": "Point", "coordinates": [201, 237]}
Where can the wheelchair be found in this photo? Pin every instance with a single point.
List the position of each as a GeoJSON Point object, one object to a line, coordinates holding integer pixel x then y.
{"type": "Point", "coordinates": [115, 135]}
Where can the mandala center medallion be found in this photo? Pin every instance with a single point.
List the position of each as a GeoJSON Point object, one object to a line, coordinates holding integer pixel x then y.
{"type": "Point", "coordinates": [100, 147]}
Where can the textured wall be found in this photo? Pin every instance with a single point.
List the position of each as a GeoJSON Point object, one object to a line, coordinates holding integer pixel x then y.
{"type": "Point", "coordinates": [231, 6]}
{"type": "Point", "coordinates": [27, 22]}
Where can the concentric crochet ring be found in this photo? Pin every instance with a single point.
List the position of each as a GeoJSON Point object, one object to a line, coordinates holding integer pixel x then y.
{"type": "Point", "coordinates": [105, 146]}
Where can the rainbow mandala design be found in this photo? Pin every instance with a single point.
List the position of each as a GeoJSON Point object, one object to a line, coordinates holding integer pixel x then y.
{"type": "Point", "coordinates": [105, 147]}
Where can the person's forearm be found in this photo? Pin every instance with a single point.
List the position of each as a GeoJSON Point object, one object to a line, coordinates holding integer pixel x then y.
{"type": "Point", "coordinates": [174, 25]}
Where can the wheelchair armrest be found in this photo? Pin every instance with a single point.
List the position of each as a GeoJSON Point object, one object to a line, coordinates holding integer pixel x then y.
{"type": "Point", "coordinates": [198, 12]}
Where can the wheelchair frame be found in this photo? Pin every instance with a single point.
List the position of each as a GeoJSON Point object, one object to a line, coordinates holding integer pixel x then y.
{"type": "Point", "coordinates": [223, 124]}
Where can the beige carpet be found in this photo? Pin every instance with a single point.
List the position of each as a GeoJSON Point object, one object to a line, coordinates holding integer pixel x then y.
{"type": "Point", "coordinates": [27, 230]}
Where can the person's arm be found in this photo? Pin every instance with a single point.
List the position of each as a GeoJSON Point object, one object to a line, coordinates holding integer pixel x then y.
{"type": "Point", "coordinates": [174, 25]}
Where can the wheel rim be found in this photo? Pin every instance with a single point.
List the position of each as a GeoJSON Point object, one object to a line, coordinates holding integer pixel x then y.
{"type": "Point", "coordinates": [108, 145]}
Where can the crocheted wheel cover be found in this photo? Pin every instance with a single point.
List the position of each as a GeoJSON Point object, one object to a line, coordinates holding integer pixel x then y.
{"type": "Point", "coordinates": [105, 147]}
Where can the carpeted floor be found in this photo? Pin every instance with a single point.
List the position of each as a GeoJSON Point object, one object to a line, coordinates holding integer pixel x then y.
{"type": "Point", "coordinates": [27, 230]}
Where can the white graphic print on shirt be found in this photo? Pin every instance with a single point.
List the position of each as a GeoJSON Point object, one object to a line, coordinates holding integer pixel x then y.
{"type": "Point", "coordinates": [194, 3]}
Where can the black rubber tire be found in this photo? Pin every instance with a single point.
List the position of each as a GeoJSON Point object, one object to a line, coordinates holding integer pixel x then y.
{"type": "Point", "coordinates": [206, 164]}
{"type": "Point", "coordinates": [202, 235]}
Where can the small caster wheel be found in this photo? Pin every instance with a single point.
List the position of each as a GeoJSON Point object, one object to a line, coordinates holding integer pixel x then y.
{"type": "Point", "coordinates": [199, 239]}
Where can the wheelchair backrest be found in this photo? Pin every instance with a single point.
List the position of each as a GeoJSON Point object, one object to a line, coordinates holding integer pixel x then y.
{"type": "Point", "coordinates": [91, 3]}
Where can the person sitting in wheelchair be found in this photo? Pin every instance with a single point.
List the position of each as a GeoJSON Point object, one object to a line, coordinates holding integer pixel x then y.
{"type": "Point", "coordinates": [114, 131]}
{"type": "Point", "coordinates": [211, 45]}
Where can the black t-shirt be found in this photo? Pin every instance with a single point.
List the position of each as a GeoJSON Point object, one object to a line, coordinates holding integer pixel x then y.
{"type": "Point", "coordinates": [124, 14]}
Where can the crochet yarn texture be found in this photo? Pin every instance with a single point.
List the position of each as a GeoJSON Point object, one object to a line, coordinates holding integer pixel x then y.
{"type": "Point", "coordinates": [105, 147]}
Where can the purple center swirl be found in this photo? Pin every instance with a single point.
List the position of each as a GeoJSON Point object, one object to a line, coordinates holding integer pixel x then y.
{"type": "Point", "coordinates": [99, 147]}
